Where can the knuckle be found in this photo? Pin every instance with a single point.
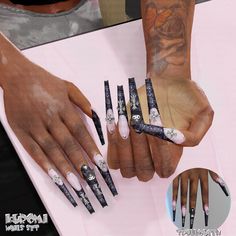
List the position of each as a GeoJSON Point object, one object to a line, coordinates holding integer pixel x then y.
{"type": "Point", "coordinates": [70, 146]}
{"type": "Point", "coordinates": [48, 144]}
{"type": "Point", "coordinates": [145, 177]}
{"type": "Point", "coordinates": [166, 172]}
{"type": "Point", "coordinates": [127, 172]}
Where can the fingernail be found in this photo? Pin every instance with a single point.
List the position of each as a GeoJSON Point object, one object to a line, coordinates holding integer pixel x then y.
{"type": "Point", "coordinates": [154, 114]}
{"type": "Point", "coordinates": [206, 214]}
{"type": "Point", "coordinates": [174, 209]}
{"type": "Point", "coordinates": [192, 215]}
{"type": "Point", "coordinates": [135, 107]}
{"type": "Point", "coordinates": [98, 126]}
{"type": "Point", "coordinates": [59, 183]}
{"type": "Point", "coordinates": [223, 186]}
{"type": "Point", "coordinates": [74, 182]}
{"type": "Point", "coordinates": [90, 178]}
{"type": "Point", "coordinates": [122, 114]}
{"type": "Point", "coordinates": [174, 135]}
{"type": "Point", "coordinates": [183, 211]}
{"type": "Point", "coordinates": [103, 169]}
{"type": "Point", "coordinates": [110, 119]}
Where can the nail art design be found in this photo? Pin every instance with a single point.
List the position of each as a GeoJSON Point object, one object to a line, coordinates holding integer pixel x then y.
{"type": "Point", "coordinates": [154, 114]}
{"type": "Point", "coordinates": [174, 209]}
{"type": "Point", "coordinates": [103, 169]}
{"type": "Point", "coordinates": [206, 214]}
{"type": "Point", "coordinates": [110, 119]}
{"type": "Point", "coordinates": [135, 107]}
{"type": "Point", "coordinates": [58, 181]}
{"type": "Point", "coordinates": [74, 182]}
{"type": "Point", "coordinates": [90, 178]}
{"type": "Point", "coordinates": [192, 216]}
{"type": "Point", "coordinates": [122, 114]}
{"type": "Point", "coordinates": [222, 185]}
{"type": "Point", "coordinates": [183, 211]}
{"type": "Point", "coordinates": [98, 126]}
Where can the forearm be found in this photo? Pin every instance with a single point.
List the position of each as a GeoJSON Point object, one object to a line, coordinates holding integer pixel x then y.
{"type": "Point", "coordinates": [167, 28]}
{"type": "Point", "coordinates": [13, 64]}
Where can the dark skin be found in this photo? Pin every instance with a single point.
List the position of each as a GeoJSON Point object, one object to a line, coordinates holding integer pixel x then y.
{"type": "Point", "coordinates": [167, 28]}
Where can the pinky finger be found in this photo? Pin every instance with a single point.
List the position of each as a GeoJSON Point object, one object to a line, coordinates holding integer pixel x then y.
{"type": "Point", "coordinates": [39, 157]}
{"type": "Point", "coordinates": [219, 181]}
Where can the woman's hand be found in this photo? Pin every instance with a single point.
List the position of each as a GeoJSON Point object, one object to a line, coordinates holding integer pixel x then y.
{"type": "Point", "coordinates": [42, 110]}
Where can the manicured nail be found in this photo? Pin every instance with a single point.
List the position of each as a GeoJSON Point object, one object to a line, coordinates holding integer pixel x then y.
{"type": "Point", "coordinates": [103, 169]}
{"type": "Point", "coordinates": [74, 182]}
{"type": "Point", "coordinates": [154, 114]}
{"type": "Point", "coordinates": [174, 135]}
{"type": "Point", "coordinates": [183, 211]}
{"type": "Point", "coordinates": [58, 181]}
{"type": "Point", "coordinates": [135, 107]}
{"type": "Point", "coordinates": [122, 114]}
{"type": "Point", "coordinates": [174, 209]}
{"type": "Point", "coordinates": [90, 178]}
{"type": "Point", "coordinates": [110, 119]}
{"type": "Point", "coordinates": [98, 126]}
{"type": "Point", "coordinates": [222, 185]}
{"type": "Point", "coordinates": [192, 216]}
{"type": "Point", "coordinates": [206, 214]}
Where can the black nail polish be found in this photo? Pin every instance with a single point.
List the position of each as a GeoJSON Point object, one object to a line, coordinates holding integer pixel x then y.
{"type": "Point", "coordinates": [98, 126]}
{"type": "Point", "coordinates": [174, 214]}
{"type": "Point", "coordinates": [206, 218]}
{"type": "Point", "coordinates": [90, 178]}
{"type": "Point", "coordinates": [135, 107]}
{"type": "Point", "coordinates": [153, 130]}
{"type": "Point", "coordinates": [110, 119]}
{"type": "Point", "coordinates": [224, 189]}
{"type": "Point", "coordinates": [121, 102]}
{"type": "Point", "coordinates": [151, 98]}
{"type": "Point", "coordinates": [192, 215]}
{"type": "Point", "coordinates": [84, 199]}
{"type": "Point", "coordinates": [183, 221]}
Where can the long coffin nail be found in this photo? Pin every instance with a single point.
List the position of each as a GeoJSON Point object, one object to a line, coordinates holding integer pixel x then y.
{"type": "Point", "coordinates": [122, 114]}
{"type": "Point", "coordinates": [74, 182]}
{"type": "Point", "coordinates": [103, 169]}
{"type": "Point", "coordinates": [58, 181]}
{"type": "Point", "coordinates": [174, 210]}
{"type": "Point", "coordinates": [206, 214]}
{"type": "Point", "coordinates": [192, 216]}
{"type": "Point", "coordinates": [110, 119]}
{"type": "Point", "coordinates": [183, 212]}
{"type": "Point", "coordinates": [154, 114]}
{"type": "Point", "coordinates": [98, 126]}
{"type": "Point", "coordinates": [91, 180]}
{"type": "Point", "coordinates": [135, 107]}
{"type": "Point", "coordinates": [222, 185]}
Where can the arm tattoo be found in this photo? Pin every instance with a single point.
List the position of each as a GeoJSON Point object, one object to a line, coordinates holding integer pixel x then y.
{"type": "Point", "coordinates": [165, 33]}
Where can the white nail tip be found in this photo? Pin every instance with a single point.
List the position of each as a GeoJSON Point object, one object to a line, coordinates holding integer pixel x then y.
{"type": "Point", "coordinates": [74, 181]}
{"type": "Point", "coordinates": [123, 127]}
{"type": "Point", "coordinates": [100, 162]}
{"type": "Point", "coordinates": [175, 135]}
{"type": "Point", "coordinates": [110, 119]}
{"type": "Point", "coordinates": [55, 177]}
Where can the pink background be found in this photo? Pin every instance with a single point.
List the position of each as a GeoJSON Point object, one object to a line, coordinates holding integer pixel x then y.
{"type": "Point", "coordinates": [117, 53]}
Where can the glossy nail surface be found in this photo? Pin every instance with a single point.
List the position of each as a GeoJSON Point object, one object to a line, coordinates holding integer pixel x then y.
{"type": "Point", "coordinates": [223, 186]}
{"type": "Point", "coordinates": [58, 181]}
{"type": "Point", "coordinates": [74, 182]}
{"type": "Point", "coordinates": [192, 216]}
{"type": "Point", "coordinates": [206, 214]}
{"type": "Point", "coordinates": [173, 210]}
{"type": "Point", "coordinates": [103, 169]}
{"type": "Point", "coordinates": [110, 119]}
{"type": "Point", "coordinates": [154, 114]}
{"type": "Point", "coordinates": [135, 107]}
{"type": "Point", "coordinates": [98, 126]}
{"type": "Point", "coordinates": [183, 212]}
{"type": "Point", "coordinates": [91, 180]}
{"type": "Point", "coordinates": [122, 114]}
